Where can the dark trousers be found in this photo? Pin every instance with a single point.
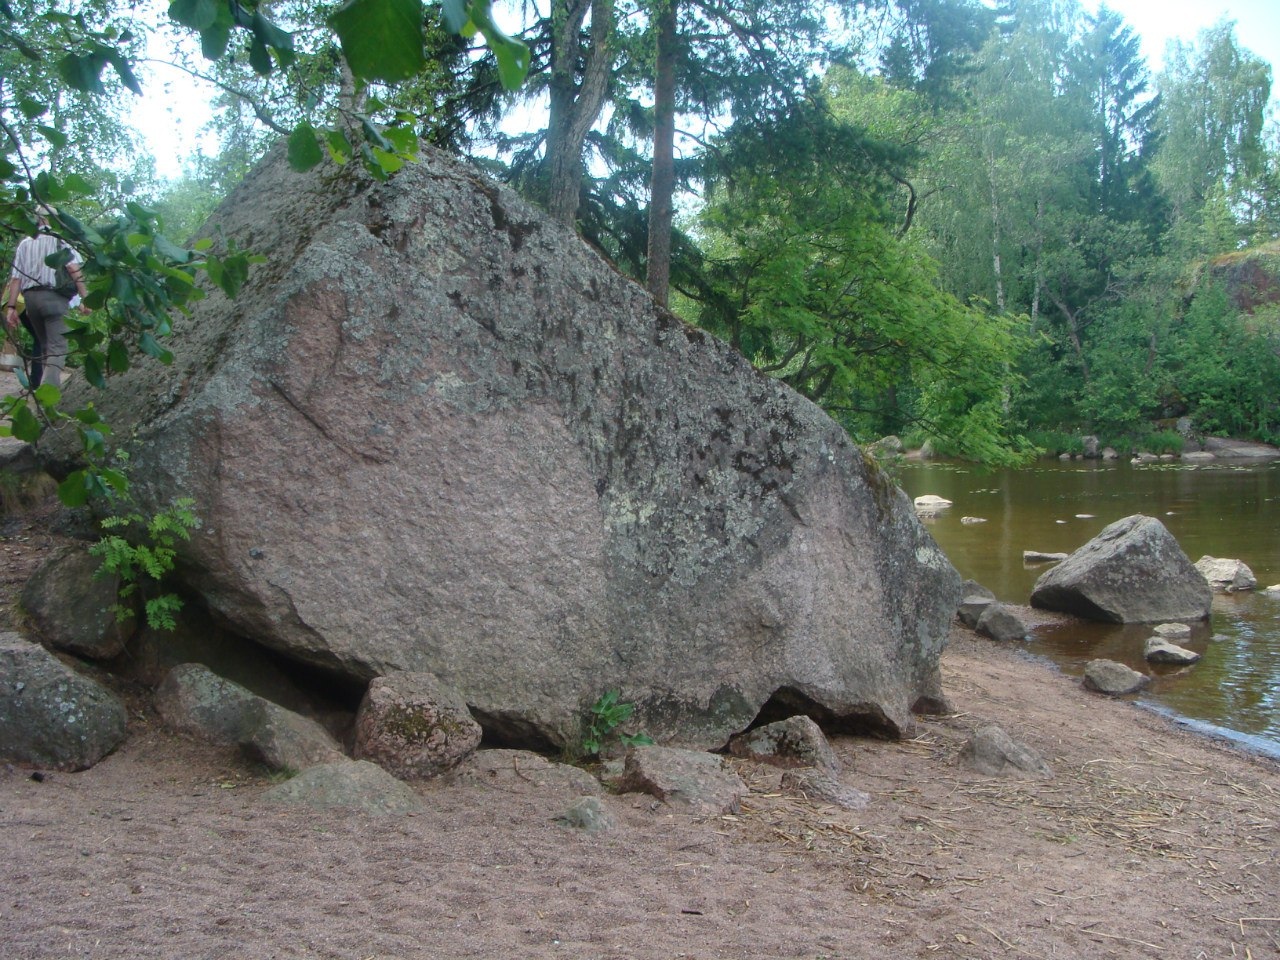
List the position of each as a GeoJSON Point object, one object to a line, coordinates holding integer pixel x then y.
{"type": "Point", "coordinates": [35, 367]}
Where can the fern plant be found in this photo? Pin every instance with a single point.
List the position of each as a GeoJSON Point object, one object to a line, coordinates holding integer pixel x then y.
{"type": "Point", "coordinates": [139, 550]}
{"type": "Point", "coordinates": [606, 716]}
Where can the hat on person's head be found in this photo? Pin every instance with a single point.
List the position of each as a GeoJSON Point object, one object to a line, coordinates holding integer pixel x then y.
{"type": "Point", "coordinates": [46, 211]}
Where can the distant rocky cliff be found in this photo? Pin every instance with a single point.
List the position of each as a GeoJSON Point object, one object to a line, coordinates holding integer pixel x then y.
{"type": "Point", "coordinates": [1250, 277]}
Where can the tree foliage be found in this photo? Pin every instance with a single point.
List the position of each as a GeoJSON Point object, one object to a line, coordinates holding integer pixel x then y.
{"type": "Point", "coordinates": [812, 281]}
{"type": "Point", "coordinates": [939, 216]}
{"type": "Point", "coordinates": [136, 276]}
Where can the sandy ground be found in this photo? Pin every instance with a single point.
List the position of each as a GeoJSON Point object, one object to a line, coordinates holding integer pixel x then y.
{"type": "Point", "coordinates": [1148, 842]}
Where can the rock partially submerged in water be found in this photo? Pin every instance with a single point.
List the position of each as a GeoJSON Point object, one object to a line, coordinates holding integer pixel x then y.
{"type": "Point", "coordinates": [1039, 556]}
{"type": "Point", "coordinates": [1113, 678]}
{"type": "Point", "coordinates": [1160, 650]}
{"type": "Point", "coordinates": [930, 504]}
{"type": "Point", "coordinates": [1132, 572]}
{"type": "Point", "coordinates": [1226, 575]}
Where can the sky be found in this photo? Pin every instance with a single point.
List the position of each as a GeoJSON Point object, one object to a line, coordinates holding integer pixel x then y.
{"type": "Point", "coordinates": [174, 131]}
{"type": "Point", "coordinates": [1159, 21]}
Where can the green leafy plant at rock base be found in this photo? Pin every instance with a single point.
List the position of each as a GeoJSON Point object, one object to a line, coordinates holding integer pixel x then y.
{"type": "Point", "coordinates": [138, 547]}
{"type": "Point", "coordinates": [606, 716]}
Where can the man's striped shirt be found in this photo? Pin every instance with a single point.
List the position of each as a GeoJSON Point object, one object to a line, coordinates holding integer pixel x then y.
{"type": "Point", "coordinates": [28, 261]}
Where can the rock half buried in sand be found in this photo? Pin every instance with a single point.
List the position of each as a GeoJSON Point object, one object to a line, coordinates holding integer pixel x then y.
{"type": "Point", "coordinates": [517, 770]}
{"type": "Point", "coordinates": [689, 780]}
{"type": "Point", "coordinates": [587, 814]}
{"type": "Point", "coordinates": [794, 742]}
{"type": "Point", "coordinates": [825, 787]}
{"type": "Point", "coordinates": [1160, 650]}
{"type": "Point", "coordinates": [1112, 678]}
{"type": "Point", "coordinates": [993, 752]}
{"type": "Point", "coordinates": [355, 784]}
{"type": "Point", "coordinates": [1132, 572]}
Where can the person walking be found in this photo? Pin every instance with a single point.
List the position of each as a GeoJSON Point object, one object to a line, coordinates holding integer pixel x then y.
{"type": "Point", "coordinates": [46, 308]}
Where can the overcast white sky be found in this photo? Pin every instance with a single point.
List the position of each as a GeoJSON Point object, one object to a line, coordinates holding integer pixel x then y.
{"type": "Point", "coordinates": [172, 123]}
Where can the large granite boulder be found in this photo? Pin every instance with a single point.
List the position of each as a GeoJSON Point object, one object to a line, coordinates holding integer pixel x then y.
{"type": "Point", "coordinates": [1132, 572]}
{"type": "Point", "coordinates": [437, 433]}
{"type": "Point", "coordinates": [50, 715]}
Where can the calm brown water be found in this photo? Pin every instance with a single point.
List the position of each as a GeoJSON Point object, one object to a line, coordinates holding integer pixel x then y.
{"type": "Point", "coordinates": [1224, 510]}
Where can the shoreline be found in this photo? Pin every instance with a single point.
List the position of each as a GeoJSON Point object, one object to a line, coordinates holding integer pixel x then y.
{"type": "Point", "coordinates": [1146, 838]}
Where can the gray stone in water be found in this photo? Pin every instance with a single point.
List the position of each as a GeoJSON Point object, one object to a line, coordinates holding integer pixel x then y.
{"type": "Point", "coordinates": [993, 752]}
{"type": "Point", "coordinates": [51, 716]}
{"type": "Point", "coordinates": [932, 503]}
{"type": "Point", "coordinates": [1173, 631]}
{"type": "Point", "coordinates": [348, 784]}
{"type": "Point", "coordinates": [689, 780]}
{"type": "Point", "coordinates": [1160, 650]}
{"type": "Point", "coordinates": [1112, 678]}
{"type": "Point", "coordinates": [1000, 623]}
{"type": "Point", "coordinates": [1039, 556]}
{"type": "Point", "coordinates": [563, 489]}
{"type": "Point", "coordinates": [1226, 448]}
{"type": "Point", "coordinates": [1132, 572]}
{"type": "Point", "coordinates": [1225, 575]}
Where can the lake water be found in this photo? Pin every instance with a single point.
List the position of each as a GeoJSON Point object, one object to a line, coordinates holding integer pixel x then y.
{"type": "Point", "coordinates": [1224, 509]}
